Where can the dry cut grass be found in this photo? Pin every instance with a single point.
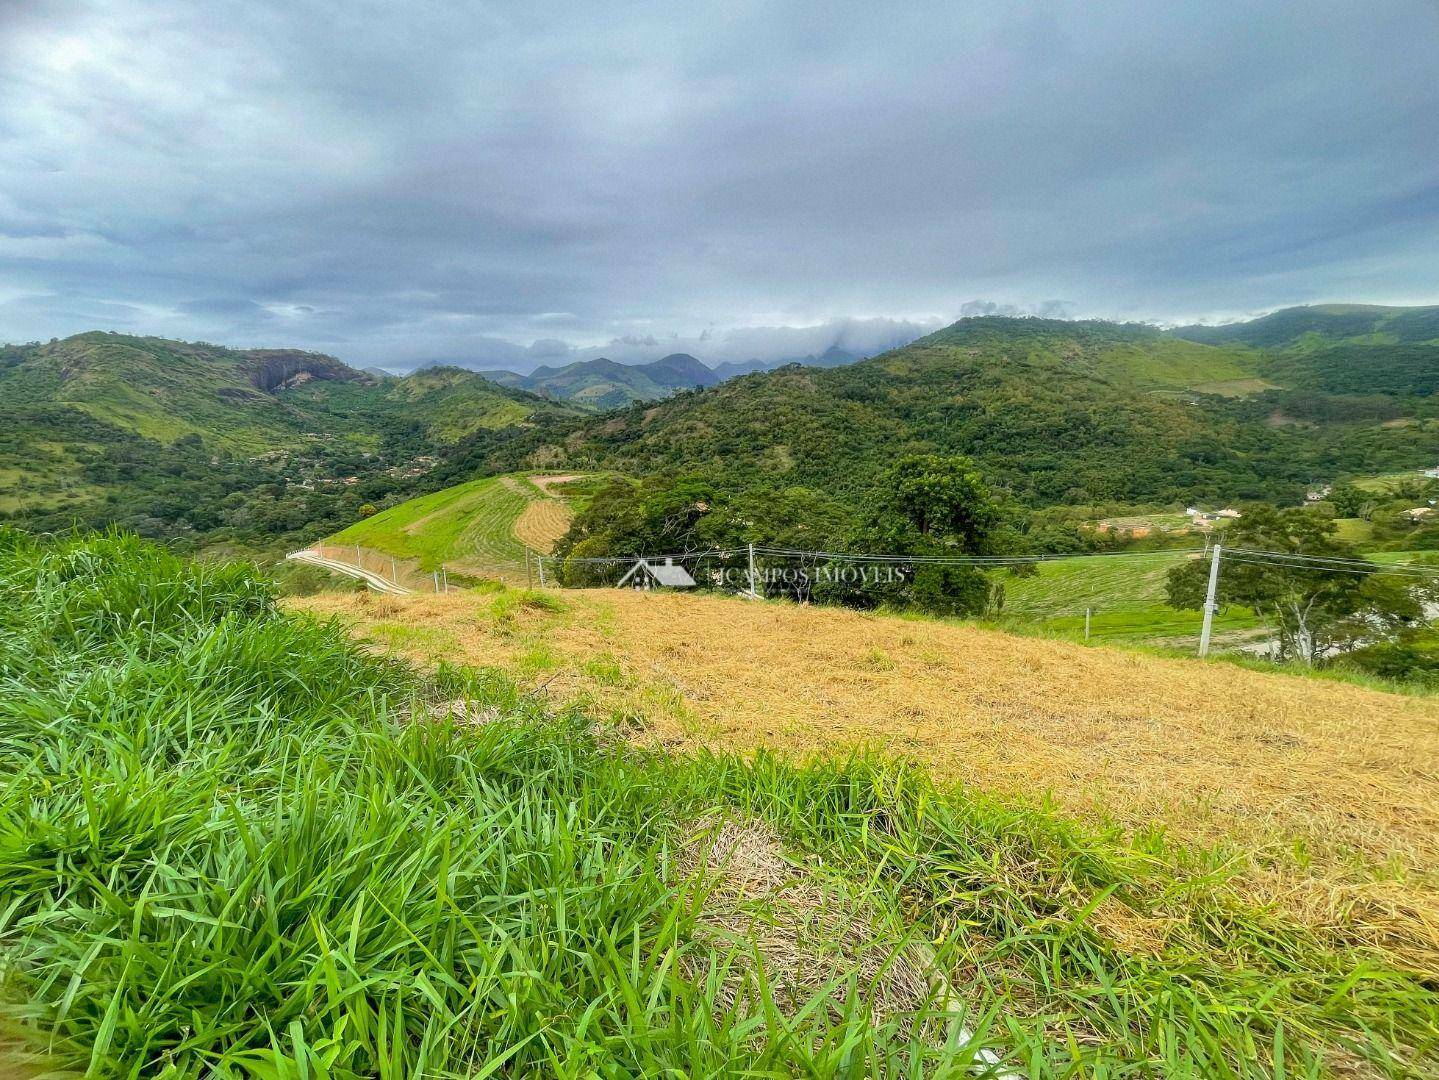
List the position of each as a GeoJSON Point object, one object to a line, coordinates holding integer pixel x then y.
{"type": "Point", "coordinates": [1329, 792]}
{"type": "Point", "coordinates": [542, 523]}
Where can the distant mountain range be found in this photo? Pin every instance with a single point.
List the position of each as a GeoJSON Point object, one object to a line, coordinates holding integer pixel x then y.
{"type": "Point", "coordinates": [607, 384]}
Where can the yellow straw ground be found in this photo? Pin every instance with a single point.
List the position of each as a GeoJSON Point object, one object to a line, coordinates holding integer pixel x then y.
{"type": "Point", "coordinates": [1330, 791]}
{"type": "Point", "coordinates": [542, 523]}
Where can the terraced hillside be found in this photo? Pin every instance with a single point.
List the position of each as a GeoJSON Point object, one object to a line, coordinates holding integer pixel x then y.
{"type": "Point", "coordinates": [482, 525]}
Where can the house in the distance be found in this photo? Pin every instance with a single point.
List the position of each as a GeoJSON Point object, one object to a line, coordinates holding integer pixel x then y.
{"type": "Point", "coordinates": [647, 575]}
{"type": "Point", "coordinates": [1433, 473]}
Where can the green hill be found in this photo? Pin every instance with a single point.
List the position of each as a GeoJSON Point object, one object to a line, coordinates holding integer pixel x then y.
{"type": "Point", "coordinates": [1351, 350]}
{"type": "Point", "coordinates": [164, 390]}
{"type": "Point", "coordinates": [187, 440]}
{"type": "Point", "coordinates": [1324, 324]}
{"type": "Point", "coordinates": [1058, 412]}
{"type": "Point", "coordinates": [444, 404]}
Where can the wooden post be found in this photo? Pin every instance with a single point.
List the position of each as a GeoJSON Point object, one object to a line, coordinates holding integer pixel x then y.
{"type": "Point", "coordinates": [437, 581]}
{"type": "Point", "coordinates": [752, 590]}
{"type": "Point", "coordinates": [541, 560]}
{"type": "Point", "coordinates": [1086, 623]}
{"type": "Point", "coordinates": [1210, 603]}
{"type": "Point", "coordinates": [529, 578]}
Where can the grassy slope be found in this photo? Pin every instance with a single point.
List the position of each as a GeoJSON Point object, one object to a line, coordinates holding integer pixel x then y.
{"type": "Point", "coordinates": [209, 871]}
{"type": "Point", "coordinates": [1322, 325]}
{"type": "Point", "coordinates": [470, 525]}
{"type": "Point", "coordinates": [1321, 777]}
{"type": "Point", "coordinates": [1125, 595]}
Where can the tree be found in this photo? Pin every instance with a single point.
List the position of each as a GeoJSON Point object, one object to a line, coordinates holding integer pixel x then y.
{"type": "Point", "coordinates": [928, 506]}
{"type": "Point", "coordinates": [1315, 610]}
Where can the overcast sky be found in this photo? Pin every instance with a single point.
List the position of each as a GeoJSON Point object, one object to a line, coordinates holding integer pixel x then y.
{"type": "Point", "coordinates": [515, 183]}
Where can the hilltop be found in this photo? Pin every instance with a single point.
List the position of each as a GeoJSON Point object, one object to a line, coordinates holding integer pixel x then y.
{"type": "Point", "coordinates": [1356, 350]}
{"type": "Point", "coordinates": [165, 390]}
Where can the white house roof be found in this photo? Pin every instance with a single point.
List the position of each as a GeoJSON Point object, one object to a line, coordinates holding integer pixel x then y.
{"type": "Point", "coordinates": [669, 574]}
{"type": "Point", "coordinates": [665, 573]}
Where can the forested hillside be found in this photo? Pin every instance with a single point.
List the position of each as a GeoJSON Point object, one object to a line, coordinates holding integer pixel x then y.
{"type": "Point", "coordinates": [1074, 412]}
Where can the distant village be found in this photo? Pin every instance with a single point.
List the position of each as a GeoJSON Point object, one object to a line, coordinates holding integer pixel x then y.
{"type": "Point", "coordinates": [1198, 520]}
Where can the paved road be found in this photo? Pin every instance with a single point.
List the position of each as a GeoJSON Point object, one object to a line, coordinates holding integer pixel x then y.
{"type": "Point", "coordinates": [374, 581]}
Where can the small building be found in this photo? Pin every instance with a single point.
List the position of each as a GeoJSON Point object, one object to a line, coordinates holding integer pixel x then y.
{"type": "Point", "coordinates": [1433, 474]}
{"type": "Point", "coordinates": [647, 575]}
{"type": "Point", "coordinates": [1420, 513]}
{"type": "Point", "coordinates": [1227, 513]}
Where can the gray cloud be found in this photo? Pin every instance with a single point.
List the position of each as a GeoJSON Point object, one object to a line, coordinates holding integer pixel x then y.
{"type": "Point", "coordinates": [514, 185]}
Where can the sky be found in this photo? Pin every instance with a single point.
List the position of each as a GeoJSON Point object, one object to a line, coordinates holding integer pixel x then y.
{"type": "Point", "coordinates": [513, 184]}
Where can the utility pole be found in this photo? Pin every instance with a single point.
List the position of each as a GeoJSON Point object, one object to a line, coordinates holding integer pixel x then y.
{"type": "Point", "coordinates": [753, 591]}
{"type": "Point", "coordinates": [1209, 600]}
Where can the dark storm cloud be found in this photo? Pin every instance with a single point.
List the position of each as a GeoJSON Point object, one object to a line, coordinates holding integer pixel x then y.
{"type": "Point", "coordinates": [521, 184]}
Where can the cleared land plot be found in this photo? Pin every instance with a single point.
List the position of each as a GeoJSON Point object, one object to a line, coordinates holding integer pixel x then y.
{"type": "Point", "coordinates": [1327, 793]}
{"type": "Point", "coordinates": [482, 526]}
{"type": "Point", "coordinates": [1234, 387]}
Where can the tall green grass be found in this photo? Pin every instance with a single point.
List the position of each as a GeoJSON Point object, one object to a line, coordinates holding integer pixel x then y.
{"type": "Point", "coordinates": [233, 844]}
